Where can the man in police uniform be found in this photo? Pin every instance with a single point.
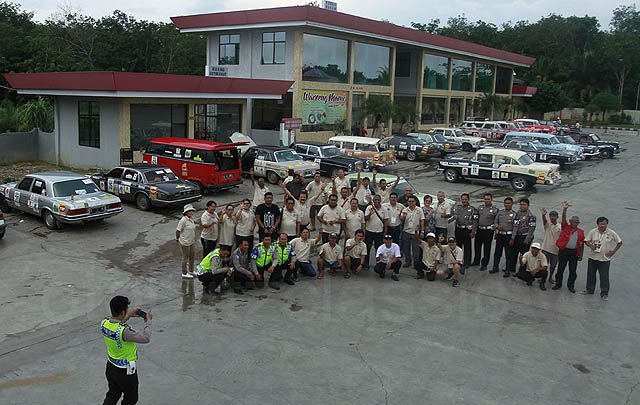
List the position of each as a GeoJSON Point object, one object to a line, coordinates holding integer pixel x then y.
{"type": "Point", "coordinates": [214, 268]}
{"type": "Point", "coordinates": [284, 261]}
{"type": "Point", "coordinates": [504, 229]}
{"type": "Point", "coordinates": [486, 217]}
{"type": "Point", "coordinates": [524, 224]}
{"type": "Point", "coordinates": [262, 260]}
{"type": "Point", "coordinates": [466, 226]}
{"type": "Point", "coordinates": [122, 353]}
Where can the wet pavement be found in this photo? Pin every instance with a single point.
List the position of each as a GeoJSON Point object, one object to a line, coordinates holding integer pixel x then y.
{"type": "Point", "coordinates": [362, 340]}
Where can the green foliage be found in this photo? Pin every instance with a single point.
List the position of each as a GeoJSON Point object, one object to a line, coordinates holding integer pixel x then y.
{"type": "Point", "coordinates": [620, 119]}
{"type": "Point", "coordinates": [35, 113]}
{"type": "Point", "coordinates": [405, 114]}
{"type": "Point", "coordinates": [378, 108]}
{"type": "Point", "coordinates": [488, 103]}
{"type": "Point", "coordinates": [339, 127]}
{"type": "Point", "coordinates": [550, 96]}
{"type": "Point", "coordinates": [8, 117]}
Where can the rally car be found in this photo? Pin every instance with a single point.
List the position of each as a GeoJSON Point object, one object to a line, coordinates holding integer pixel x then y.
{"type": "Point", "coordinates": [273, 162]}
{"type": "Point", "coordinates": [148, 186]}
{"type": "Point", "coordinates": [468, 142]}
{"type": "Point", "coordinates": [59, 197]}
{"type": "Point", "coordinates": [539, 153]}
{"type": "Point", "coordinates": [329, 157]}
{"type": "Point", "coordinates": [501, 165]}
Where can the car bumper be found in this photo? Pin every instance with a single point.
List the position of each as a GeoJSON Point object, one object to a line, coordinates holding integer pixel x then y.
{"type": "Point", "coordinates": [3, 226]}
{"type": "Point", "coordinates": [89, 217]}
{"type": "Point", "coordinates": [591, 154]}
{"type": "Point", "coordinates": [167, 203]}
{"type": "Point", "coordinates": [385, 164]}
{"type": "Point", "coordinates": [451, 150]}
{"type": "Point", "coordinates": [222, 186]}
{"type": "Point", "coordinates": [439, 171]}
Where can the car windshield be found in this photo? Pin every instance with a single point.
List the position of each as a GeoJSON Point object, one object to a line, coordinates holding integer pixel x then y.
{"type": "Point", "coordinates": [331, 151]}
{"type": "Point", "coordinates": [286, 156]}
{"type": "Point", "coordinates": [525, 160]}
{"type": "Point", "coordinates": [439, 138]}
{"type": "Point", "coordinates": [536, 145]}
{"type": "Point", "coordinates": [568, 139]}
{"type": "Point", "coordinates": [595, 137]}
{"type": "Point", "coordinates": [160, 175]}
{"type": "Point", "coordinates": [74, 187]}
{"type": "Point", "coordinates": [417, 140]}
{"type": "Point", "coordinates": [457, 132]}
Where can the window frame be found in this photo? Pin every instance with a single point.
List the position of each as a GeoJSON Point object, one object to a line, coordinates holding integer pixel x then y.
{"type": "Point", "coordinates": [228, 42]}
{"type": "Point", "coordinates": [274, 41]}
{"type": "Point", "coordinates": [92, 138]}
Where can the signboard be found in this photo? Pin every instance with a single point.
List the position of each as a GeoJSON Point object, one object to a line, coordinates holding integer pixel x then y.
{"type": "Point", "coordinates": [218, 71]}
{"type": "Point", "coordinates": [292, 123]}
{"type": "Point", "coordinates": [323, 107]}
{"type": "Point", "coordinates": [330, 5]}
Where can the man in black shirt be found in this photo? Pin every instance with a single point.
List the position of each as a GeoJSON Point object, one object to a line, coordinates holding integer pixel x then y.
{"type": "Point", "coordinates": [267, 216]}
{"type": "Point", "coordinates": [296, 185]}
{"type": "Point", "coordinates": [404, 199]}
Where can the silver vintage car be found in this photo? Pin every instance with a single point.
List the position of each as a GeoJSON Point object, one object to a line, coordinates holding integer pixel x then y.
{"type": "Point", "coordinates": [59, 197]}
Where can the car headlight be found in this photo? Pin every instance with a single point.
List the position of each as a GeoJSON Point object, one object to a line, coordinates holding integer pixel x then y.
{"type": "Point", "coordinates": [350, 167]}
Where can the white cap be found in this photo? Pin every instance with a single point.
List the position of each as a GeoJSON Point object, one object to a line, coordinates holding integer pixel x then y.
{"type": "Point", "coordinates": [431, 234]}
{"type": "Point", "coordinates": [188, 208]}
{"type": "Point", "coordinates": [536, 245]}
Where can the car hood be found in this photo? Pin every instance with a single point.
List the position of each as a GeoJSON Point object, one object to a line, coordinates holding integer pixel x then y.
{"type": "Point", "coordinates": [543, 167]}
{"type": "Point", "coordinates": [300, 165]}
{"type": "Point", "coordinates": [554, 152]}
{"type": "Point", "coordinates": [566, 147]}
{"type": "Point", "coordinates": [173, 186]}
{"type": "Point", "coordinates": [345, 160]}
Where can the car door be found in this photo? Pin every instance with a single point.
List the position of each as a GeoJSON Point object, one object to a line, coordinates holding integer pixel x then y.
{"type": "Point", "coordinates": [113, 181]}
{"type": "Point", "coordinates": [314, 154]}
{"type": "Point", "coordinates": [260, 163]}
{"type": "Point", "coordinates": [21, 194]}
{"type": "Point", "coordinates": [248, 159]}
{"type": "Point", "coordinates": [38, 194]}
{"type": "Point", "coordinates": [129, 184]}
{"type": "Point", "coordinates": [303, 150]}
{"type": "Point", "coordinates": [480, 168]}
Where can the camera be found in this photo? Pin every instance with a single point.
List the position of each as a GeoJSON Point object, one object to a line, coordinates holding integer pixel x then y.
{"type": "Point", "coordinates": [142, 314]}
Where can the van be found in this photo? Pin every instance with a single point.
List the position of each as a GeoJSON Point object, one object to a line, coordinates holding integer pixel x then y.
{"type": "Point", "coordinates": [366, 148]}
{"type": "Point", "coordinates": [212, 166]}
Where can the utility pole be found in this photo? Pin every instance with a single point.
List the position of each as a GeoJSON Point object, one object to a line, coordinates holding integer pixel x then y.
{"type": "Point", "coordinates": [621, 80]}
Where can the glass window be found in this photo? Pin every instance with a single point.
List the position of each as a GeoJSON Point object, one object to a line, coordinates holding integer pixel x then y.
{"type": "Point", "coordinates": [150, 121]}
{"type": "Point", "coordinates": [357, 101]}
{"type": "Point", "coordinates": [371, 64]}
{"type": "Point", "coordinates": [268, 114]}
{"type": "Point", "coordinates": [403, 64]}
{"type": "Point", "coordinates": [160, 175]}
{"type": "Point", "coordinates": [314, 151]}
{"type": "Point", "coordinates": [287, 156]}
{"type": "Point", "coordinates": [74, 187]}
{"type": "Point", "coordinates": [216, 122]}
{"type": "Point", "coordinates": [483, 158]}
{"type": "Point", "coordinates": [227, 159]}
{"type": "Point", "coordinates": [347, 145]}
{"type": "Point", "coordinates": [117, 172]}
{"type": "Point", "coordinates": [89, 123]}
{"type": "Point", "coordinates": [455, 111]}
{"type": "Point", "coordinates": [503, 80]}
{"type": "Point", "coordinates": [324, 59]}
{"type": "Point", "coordinates": [273, 47]}
{"type": "Point", "coordinates": [229, 50]}
{"type": "Point", "coordinates": [39, 187]}
{"type": "Point", "coordinates": [462, 75]}
{"type": "Point", "coordinates": [436, 72]}
{"type": "Point", "coordinates": [25, 184]}
{"type": "Point", "coordinates": [484, 78]}
{"type": "Point", "coordinates": [525, 160]}
{"type": "Point", "coordinates": [433, 110]}
{"type": "Point", "coordinates": [302, 149]}
{"type": "Point", "coordinates": [131, 175]}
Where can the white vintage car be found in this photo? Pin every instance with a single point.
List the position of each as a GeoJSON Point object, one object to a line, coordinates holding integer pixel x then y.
{"type": "Point", "coordinates": [468, 142]}
{"type": "Point", "coordinates": [273, 162]}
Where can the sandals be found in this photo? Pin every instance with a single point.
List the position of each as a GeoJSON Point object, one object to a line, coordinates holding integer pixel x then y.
{"type": "Point", "coordinates": [332, 272]}
{"type": "Point", "coordinates": [319, 276]}
{"type": "Point", "coordinates": [347, 275]}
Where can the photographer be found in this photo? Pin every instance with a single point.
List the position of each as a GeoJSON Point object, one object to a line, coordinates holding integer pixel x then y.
{"type": "Point", "coordinates": [122, 370]}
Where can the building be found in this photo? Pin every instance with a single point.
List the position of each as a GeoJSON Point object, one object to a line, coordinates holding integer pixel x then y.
{"type": "Point", "coordinates": [337, 61]}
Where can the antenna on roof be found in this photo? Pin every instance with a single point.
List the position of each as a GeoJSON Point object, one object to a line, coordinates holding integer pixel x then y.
{"type": "Point", "coordinates": [330, 5]}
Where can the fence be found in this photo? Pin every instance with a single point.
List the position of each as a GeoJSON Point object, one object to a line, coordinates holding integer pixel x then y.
{"type": "Point", "coordinates": [27, 146]}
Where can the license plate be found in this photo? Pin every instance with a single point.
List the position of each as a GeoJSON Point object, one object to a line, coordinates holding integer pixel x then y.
{"type": "Point", "coordinates": [228, 176]}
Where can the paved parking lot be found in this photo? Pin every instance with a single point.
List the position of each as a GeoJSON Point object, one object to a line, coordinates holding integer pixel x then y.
{"type": "Point", "coordinates": [362, 340]}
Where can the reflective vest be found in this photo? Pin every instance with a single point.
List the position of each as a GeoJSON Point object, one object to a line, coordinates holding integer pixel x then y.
{"type": "Point", "coordinates": [283, 252]}
{"type": "Point", "coordinates": [119, 352]}
{"type": "Point", "coordinates": [205, 264]}
{"type": "Point", "coordinates": [264, 256]}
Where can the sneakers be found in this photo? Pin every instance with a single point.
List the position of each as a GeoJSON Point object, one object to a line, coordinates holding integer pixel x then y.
{"type": "Point", "coordinates": [493, 270]}
{"type": "Point", "coordinates": [483, 267]}
{"type": "Point", "coordinates": [188, 276]}
{"type": "Point", "coordinates": [394, 277]}
{"type": "Point", "coordinates": [191, 273]}
{"type": "Point", "coordinates": [455, 283]}
{"type": "Point", "coordinates": [506, 274]}
{"type": "Point", "coordinates": [556, 287]}
{"type": "Point", "coordinates": [543, 287]}
{"type": "Point", "coordinates": [605, 298]}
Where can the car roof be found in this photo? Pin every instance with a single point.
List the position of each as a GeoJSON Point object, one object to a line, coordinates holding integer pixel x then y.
{"type": "Point", "coordinates": [195, 143]}
{"type": "Point", "coordinates": [529, 134]}
{"type": "Point", "coordinates": [512, 153]}
{"type": "Point", "coordinates": [321, 144]}
{"type": "Point", "coordinates": [355, 139]}
{"type": "Point", "coordinates": [270, 147]}
{"type": "Point", "coordinates": [57, 175]}
{"type": "Point", "coordinates": [143, 167]}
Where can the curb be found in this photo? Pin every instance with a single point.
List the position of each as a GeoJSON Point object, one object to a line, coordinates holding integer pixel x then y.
{"type": "Point", "coordinates": [614, 128]}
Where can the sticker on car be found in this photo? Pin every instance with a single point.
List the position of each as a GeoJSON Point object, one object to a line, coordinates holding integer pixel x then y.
{"type": "Point", "coordinates": [495, 174]}
{"type": "Point", "coordinates": [475, 170]}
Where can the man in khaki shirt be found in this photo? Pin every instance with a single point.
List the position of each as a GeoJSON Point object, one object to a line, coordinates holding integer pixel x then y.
{"type": "Point", "coordinates": [331, 217]}
{"type": "Point", "coordinates": [533, 264]}
{"type": "Point", "coordinates": [394, 210]}
{"type": "Point", "coordinates": [354, 254]}
{"type": "Point", "coordinates": [314, 188]}
{"type": "Point", "coordinates": [604, 243]}
{"type": "Point", "coordinates": [413, 218]}
{"type": "Point", "coordinates": [443, 213]}
{"type": "Point", "coordinates": [330, 256]}
{"type": "Point", "coordinates": [430, 257]}
{"type": "Point", "coordinates": [302, 247]}
{"type": "Point", "coordinates": [354, 220]}
{"type": "Point", "coordinates": [552, 231]}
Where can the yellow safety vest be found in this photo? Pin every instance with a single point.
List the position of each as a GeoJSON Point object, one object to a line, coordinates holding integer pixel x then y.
{"type": "Point", "coordinates": [119, 352]}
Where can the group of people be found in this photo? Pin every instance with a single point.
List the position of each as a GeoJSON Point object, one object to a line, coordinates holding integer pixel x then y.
{"type": "Point", "coordinates": [354, 220]}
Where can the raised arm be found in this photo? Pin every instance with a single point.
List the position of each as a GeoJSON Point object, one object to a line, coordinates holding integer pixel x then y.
{"type": "Point", "coordinates": [375, 183]}
{"type": "Point", "coordinates": [565, 206]}
{"type": "Point", "coordinates": [286, 191]}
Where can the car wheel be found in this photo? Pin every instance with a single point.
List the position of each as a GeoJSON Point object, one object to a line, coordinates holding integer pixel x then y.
{"type": "Point", "coordinates": [451, 175]}
{"type": "Point", "coordinates": [201, 187]}
{"type": "Point", "coordinates": [606, 154]}
{"type": "Point", "coordinates": [143, 202]}
{"type": "Point", "coordinates": [4, 206]}
{"type": "Point", "coordinates": [272, 177]}
{"type": "Point", "coordinates": [50, 221]}
{"type": "Point", "coordinates": [467, 147]}
{"type": "Point", "coordinates": [412, 156]}
{"type": "Point", "coordinates": [519, 183]}
{"type": "Point", "coordinates": [554, 161]}
{"type": "Point", "coordinates": [1, 235]}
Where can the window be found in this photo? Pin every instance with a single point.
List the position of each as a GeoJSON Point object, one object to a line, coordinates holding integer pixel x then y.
{"type": "Point", "coordinates": [324, 59]}
{"type": "Point", "coordinates": [455, 111]}
{"type": "Point", "coordinates": [227, 159]}
{"type": "Point", "coordinates": [268, 114]}
{"type": "Point", "coordinates": [39, 187]}
{"type": "Point", "coordinates": [25, 184]}
{"type": "Point", "coordinates": [74, 187]}
{"type": "Point", "coordinates": [216, 122]}
{"type": "Point", "coordinates": [367, 147]}
{"type": "Point", "coordinates": [347, 145]}
{"type": "Point", "coordinates": [89, 123]}
{"type": "Point", "coordinates": [160, 175]}
{"type": "Point", "coordinates": [263, 155]}
{"type": "Point", "coordinates": [357, 102]}
{"type": "Point", "coordinates": [462, 75]}
{"type": "Point", "coordinates": [503, 80]}
{"type": "Point", "coordinates": [314, 151]}
{"type": "Point", "coordinates": [116, 173]}
{"type": "Point", "coordinates": [131, 175]}
{"type": "Point", "coordinates": [436, 72]}
{"type": "Point", "coordinates": [229, 50]}
{"type": "Point", "coordinates": [433, 110]}
{"type": "Point", "coordinates": [286, 156]}
{"type": "Point", "coordinates": [273, 46]}
{"type": "Point", "coordinates": [484, 78]}
{"type": "Point", "coordinates": [403, 64]}
{"type": "Point", "coordinates": [371, 64]}
{"type": "Point", "coordinates": [150, 121]}
{"type": "Point", "coordinates": [484, 158]}
{"type": "Point", "coordinates": [302, 149]}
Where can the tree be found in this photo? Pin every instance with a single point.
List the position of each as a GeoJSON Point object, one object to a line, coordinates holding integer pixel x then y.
{"type": "Point", "coordinates": [605, 101]}
{"type": "Point", "coordinates": [405, 114]}
{"type": "Point", "coordinates": [550, 97]}
{"type": "Point", "coordinates": [488, 103]}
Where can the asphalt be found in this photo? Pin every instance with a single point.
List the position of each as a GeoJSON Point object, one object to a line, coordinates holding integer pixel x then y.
{"type": "Point", "coordinates": [363, 340]}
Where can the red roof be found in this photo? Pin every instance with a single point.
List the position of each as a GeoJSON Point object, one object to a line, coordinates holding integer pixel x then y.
{"type": "Point", "coordinates": [524, 90]}
{"type": "Point", "coordinates": [144, 82]}
{"type": "Point", "coordinates": [342, 20]}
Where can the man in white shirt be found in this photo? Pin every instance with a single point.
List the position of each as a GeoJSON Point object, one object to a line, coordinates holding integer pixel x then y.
{"type": "Point", "coordinates": [340, 182]}
{"type": "Point", "coordinates": [382, 189]}
{"type": "Point", "coordinates": [258, 191]}
{"type": "Point", "coordinates": [316, 188]}
{"type": "Point", "coordinates": [604, 243]}
{"type": "Point", "coordinates": [413, 219]}
{"type": "Point", "coordinates": [331, 217]}
{"type": "Point", "coordinates": [388, 258]}
{"type": "Point", "coordinates": [376, 223]}
{"type": "Point", "coordinates": [533, 265]}
{"type": "Point", "coordinates": [354, 220]}
{"type": "Point", "coordinates": [302, 247]}
{"type": "Point", "coordinates": [552, 231]}
{"type": "Point", "coordinates": [430, 257]}
{"type": "Point", "coordinates": [362, 191]}
{"type": "Point", "coordinates": [443, 213]}
{"type": "Point", "coordinates": [331, 256]}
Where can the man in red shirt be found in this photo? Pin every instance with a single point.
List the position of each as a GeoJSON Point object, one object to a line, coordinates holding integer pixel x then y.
{"type": "Point", "coordinates": [570, 243]}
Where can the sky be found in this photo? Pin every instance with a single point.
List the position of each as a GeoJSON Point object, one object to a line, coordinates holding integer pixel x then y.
{"type": "Point", "coordinates": [402, 13]}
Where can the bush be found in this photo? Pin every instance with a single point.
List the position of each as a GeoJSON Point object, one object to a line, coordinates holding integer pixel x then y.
{"type": "Point", "coordinates": [620, 119]}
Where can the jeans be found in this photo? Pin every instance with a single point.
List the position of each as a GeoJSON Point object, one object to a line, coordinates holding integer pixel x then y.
{"type": "Point", "coordinates": [482, 246]}
{"type": "Point", "coordinates": [208, 246]}
{"type": "Point", "coordinates": [463, 238]}
{"type": "Point", "coordinates": [410, 248]}
{"type": "Point", "coordinates": [306, 269]}
{"type": "Point", "coordinates": [569, 256]}
{"type": "Point", "coordinates": [121, 383]}
{"type": "Point", "coordinates": [594, 266]}
{"type": "Point", "coordinates": [371, 239]}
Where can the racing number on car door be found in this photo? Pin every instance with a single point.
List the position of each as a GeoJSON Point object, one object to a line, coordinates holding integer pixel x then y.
{"type": "Point", "coordinates": [129, 183]}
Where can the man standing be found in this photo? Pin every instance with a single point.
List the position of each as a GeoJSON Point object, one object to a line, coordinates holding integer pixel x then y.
{"type": "Point", "coordinates": [296, 185]}
{"type": "Point", "coordinates": [484, 237]}
{"type": "Point", "coordinates": [285, 261]}
{"type": "Point", "coordinates": [316, 188]}
{"type": "Point", "coordinates": [404, 199]}
{"type": "Point", "coordinates": [570, 244]}
{"type": "Point", "coordinates": [344, 198]}
{"type": "Point", "coordinates": [362, 192]}
{"type": "Point", "coordinates": [382, 189]}
{"type": "Point", "coordinates": [552, 230]}
{"type": "Point", "coordinates": [302, 247]}
{"type": "Point", "coordinates": [452, 258]}
{"type": "Point", "coordinates": [376, 225]}
{"type": "Point", "coordinates": [122, 353]}
{"type": "Point", "coordinates": [214, 268]}
{"type": "Point", "coordinates": [413, 218]}
{"type": "Point", "coordinates": [243, 275]}
{"type": "Point", "coordinates": [388, 257]}
{"type": "Point", "coordinates": [354, 220]}
{"type": "Point", "coordinates": [430, 257]}
{"type": "Point", "coordinates": [268, 217]}
{"type": "Point", "coordinates": [604, 243]}
{"type": "Point", "coordinates": [340, 182]}
{"type": "Point", "coordinates": [262, 259]}
{"type": "Point", "coordinates": [354, 257]}
{"type": "Point", "coordinates": [331, 217]}
{"type": "Point", "coordinates": [524, 224]}
{"type": "Point", "coordinates": [209, 233]}
{"type": "Point", "coordinates": [466, 226]}
{"type": "Point", "coordinates": [443, 213]}
{"type": "Point", "coordinates": [394, 211]}
{"type": "Point", "coordinates": [533, 265]}
{"type": "Point", "coordinates": [331, 256]}
{"type": "Point", "coordinates": [504, 231]}
{"type": "Point", "coordinates": [259, 191]}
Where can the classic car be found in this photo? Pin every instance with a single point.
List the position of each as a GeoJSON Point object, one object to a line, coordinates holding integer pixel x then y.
{"type": "Point", "coordinates": [446, 146]}
{"type": "Point", "coordinates": [550, 141]}
{"type": "Point", "coordinates": [273, 162]}
{"type": "Point", "coordinates": [3, 226]}
{"type": "Point", "coordinates": [329, 158]}
{"type": "Point", "coordinates": [147, 185]}
{"type": "Point", "coordinates": [469, 143]}
{"type": "Point", "coordinates": [59, 197]}
{"type": "Point", "coordinates": [588, 151]}
{"type": "Point", "coordinates": [593, 140]}
{"type": "Point", "coordinates": [539, 153]}
{"type": "Point", "coordinates": [365, 148]}
{"type": "Point", "coordinates": [496, 164]}
{"type": "Point", "coordinates": [410, 147]}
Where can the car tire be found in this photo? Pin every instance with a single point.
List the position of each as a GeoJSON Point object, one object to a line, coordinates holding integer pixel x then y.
{"type": "Point", "coordinates": [606, 154]}
{"type": "Point", "coordinates": [50, 220]}
{"type": "Point", "coordinates": [519, 183]}
{"type": "Point", "coordinates": [467, 147]}
{"type": "Point", "coordinates": [143, 202]}
{"type": "Point", "coordinates": [554, 161]}
{"type": "Point", "coordinates": [412, 156]}
{"type": "Point", "coordinates": [451, 175]}
{"type": "Point", "coordinates": [272, 177]}
{"type": "Point", "coordinates": [4, 206]}
{"type": "Point", "coordinates": [1, 234]}
{"type": "Point", "coordinates": [201, 187]}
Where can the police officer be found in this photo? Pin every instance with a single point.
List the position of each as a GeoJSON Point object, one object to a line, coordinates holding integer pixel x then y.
{"type": "Point", "coordinates": [524, 224]}
{"type": "Point", "coordinates": [504, 230]}
{"type": "Point", "coordinates": [466, 218]}
{"type": "Point", "coordinates": [122, 353]}
{"type": "Point", "coordinates": [262, 260]}
{"type": "Point", "coordinates": [486, 217]}
{"type": "Point", "coordinates": [214, 268]}
{"type": "Point", "coordinates": [284, 261]}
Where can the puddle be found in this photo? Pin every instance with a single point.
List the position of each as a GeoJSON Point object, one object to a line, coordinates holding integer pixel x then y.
{"type": "Point", "coordinates": [581, 368]}
{"type": "Point", "coordinates": [295, 308]}
{"type": "Point", "coordinates": [52, 379]}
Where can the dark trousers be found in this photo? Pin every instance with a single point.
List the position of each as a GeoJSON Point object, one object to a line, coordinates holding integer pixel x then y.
{"type": "Point", "coordinates": [482, 246]}
{"type": "Point", "coordinates": [211, 281]}
{"type": "Point", "coordinates": [239, 280]}
{"type": "Point", "coordinates": [520, 246]}
{"type": "Point", "coordinates": [422, 269]}
{"type": "Point", "coordinates": [395, 232]}
{"type": "Point", "coordinates": [282, 268]}
{"type": "Point", "coordinates": [249, 239]}
{"type": "Point", "coordinates": [273, 235]}
{"type": "Point", "coordinates": [372, 239]}
{"type": "Point", "coordinates": [261, 271]}
{"type": "Point", "coordinates": [502, 243]}
{"type": "Point", "coordinates": [207, 246]}
{"type": "Point", "coordinates": [524, 275]}
{"type": "Point", "coordinates": [569, 256]}
{"type": "Point", "coordinates": [594, 266]}
{"type": "Point", "coordinates": [121, 383]}
{"type": "Point", "coordinates": [463, 237]}
{"type": "Point", "coordinates": [443, 232]}
{"type": "Point", "coordinates": [382, 267]}
{"type": "Point", "coordinates": [410, 248]}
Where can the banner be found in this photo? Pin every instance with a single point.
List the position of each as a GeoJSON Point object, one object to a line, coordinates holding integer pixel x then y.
{"type": "Point", "coordinates": [323, 107]}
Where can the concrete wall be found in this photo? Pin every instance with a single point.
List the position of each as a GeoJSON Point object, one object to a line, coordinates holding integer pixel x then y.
{"type": "Point", "coordinates": [264, 137]}
{"type": "Point", "coordinates": [577, 114]}
{"type": "Point", "coordinates": [74, 155]}
{"type": "Point", "coordinates": [34, 145]}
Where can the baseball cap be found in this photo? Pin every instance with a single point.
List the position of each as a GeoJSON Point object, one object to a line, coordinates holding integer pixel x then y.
{"type": "Point", "coordinates": [536, 245]}
{"type": "Point", "coordinates": [333, 235]}
{"type": "Point", "coordinates": [431, 235]}
{"type": "Point", "coordinates": [451, 239]}
{"type": "Point", "coordinates": [388, 236]}
{"type": "Point", "coordinates": [553, 213]}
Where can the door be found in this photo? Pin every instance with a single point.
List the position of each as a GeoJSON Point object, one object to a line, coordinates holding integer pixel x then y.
{"type": "Point", "coordinates": [21, 193]}
{"type": "Point", "coordinates": [129, 184]}
{"type": "Point", "coordinates": [38, 192]}
{"type": "Point", "coordinates": [226, 167]}
{"type": "Point", "coordinates": [260, 164]}
{"type": "Point", "coordinates": [113, 180]}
